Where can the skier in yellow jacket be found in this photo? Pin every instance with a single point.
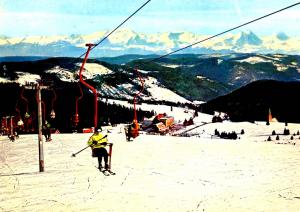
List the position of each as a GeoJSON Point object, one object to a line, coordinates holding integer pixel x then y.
{"type": "Point", "coordinates": [98, 143]}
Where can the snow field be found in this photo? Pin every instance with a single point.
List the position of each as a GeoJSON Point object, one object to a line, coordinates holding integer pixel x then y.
{"type": "Point", "coordinates": [155, 173]}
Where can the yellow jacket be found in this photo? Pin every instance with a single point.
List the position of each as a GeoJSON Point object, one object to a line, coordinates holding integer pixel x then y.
{"type": "Point", "coordinates": [98, 138]}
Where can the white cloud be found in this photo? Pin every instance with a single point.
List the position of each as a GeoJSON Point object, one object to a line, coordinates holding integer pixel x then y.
{"type": "Point", "coordinates": [40, 23]}
{"type": "Point", "coordinates": [237, 7]}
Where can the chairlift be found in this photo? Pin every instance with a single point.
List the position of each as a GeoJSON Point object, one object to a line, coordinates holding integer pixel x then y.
{"type": "Point", "coordinates": [4, 125]}
{"type": "Point", "coordinates": [133, 129]}
{"type": "Point", "coordinates": [52, 113]}
{"type": "Point", "coordinates": [75, 118]}
{"type": "Point", "coordinates": [90, 46]}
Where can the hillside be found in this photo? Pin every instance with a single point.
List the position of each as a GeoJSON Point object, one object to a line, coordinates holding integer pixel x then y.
{"type": "Point", "coordinates": [253, 101]}
{"type": "Point", "coordinates": [181, 77]}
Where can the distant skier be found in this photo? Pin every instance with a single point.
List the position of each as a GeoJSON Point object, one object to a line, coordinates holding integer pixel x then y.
{"type": "Point", "coordinates": [128, 132]}
{"type": "Point", "coordinates": [98, 143]}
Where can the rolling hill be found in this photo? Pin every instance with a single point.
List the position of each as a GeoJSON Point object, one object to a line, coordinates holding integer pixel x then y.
{"type": "Point", "coordinates": [243, 85]}
{"type": "Point", "coordinates": [253, 102]}
{"type": "Point", "coordinates": [187, 76]}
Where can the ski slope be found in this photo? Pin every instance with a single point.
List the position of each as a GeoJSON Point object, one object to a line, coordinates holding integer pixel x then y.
{"type": "Point", "coordinates": [156, 173]}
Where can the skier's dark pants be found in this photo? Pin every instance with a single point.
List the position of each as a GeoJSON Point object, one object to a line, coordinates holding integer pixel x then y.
{"type": "Point", "coordinates": [47, 134]}
{"type": "Point", "coordinates": [101, 152]}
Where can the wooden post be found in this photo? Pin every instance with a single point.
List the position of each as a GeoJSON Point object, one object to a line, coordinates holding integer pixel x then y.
{"type": "Point", "coordinates": [12, 128]}
{"type": "Point", "coordinates": [40, 122]}
{"type": "Point", "coordinates": [39, 86]}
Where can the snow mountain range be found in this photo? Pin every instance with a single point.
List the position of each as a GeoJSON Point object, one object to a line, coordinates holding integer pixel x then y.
{"type": "Point", "coordinates": [127, 41]}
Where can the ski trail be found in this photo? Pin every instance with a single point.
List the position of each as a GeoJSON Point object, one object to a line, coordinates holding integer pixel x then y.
{"type": "Point", "coordinates": [200, 125]}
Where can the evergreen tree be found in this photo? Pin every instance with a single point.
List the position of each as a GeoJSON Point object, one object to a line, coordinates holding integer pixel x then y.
{"type": "Point", "coordinates": [286, 131]}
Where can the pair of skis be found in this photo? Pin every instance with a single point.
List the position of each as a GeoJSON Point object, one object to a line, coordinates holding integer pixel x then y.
{"type": "Point", "coordinates": [108, 171]}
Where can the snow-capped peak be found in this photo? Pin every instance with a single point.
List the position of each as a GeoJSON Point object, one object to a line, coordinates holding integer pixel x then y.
{"type": "Point", "coordinates": [248, 37]}
{"type": "Point", "coordinates": [127, 41]}
{"type": "Point", "coordinates": [282, 36]}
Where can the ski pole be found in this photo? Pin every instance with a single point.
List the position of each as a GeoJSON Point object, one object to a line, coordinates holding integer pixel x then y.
{"type": "Point", "coordinates": [74, 154]}
{"type": "Point", "coordinates": [110, 153]}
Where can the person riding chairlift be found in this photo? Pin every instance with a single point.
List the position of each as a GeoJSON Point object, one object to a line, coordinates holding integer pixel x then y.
{"type": "Point", "coordinates": [98, 143]}
{"type": "Point", "coordinates": [132, 130]}
{"type": "Point", "coordinates": [20, 126]}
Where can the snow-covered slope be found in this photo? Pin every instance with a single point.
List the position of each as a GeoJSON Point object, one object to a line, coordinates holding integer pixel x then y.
{"type": "Point", "coordinates": [158, 92]}
{"type": "Point", "coordinates": [153, 90]}
{"type": "Point", "coordinates": [198, 77]}
{"type": "Point", "coordinates": [156, 173]}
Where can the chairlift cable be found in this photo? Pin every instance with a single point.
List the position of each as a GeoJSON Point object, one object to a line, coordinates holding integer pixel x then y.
{"type": "Point", "coordinates": [123, 22]}
{"type": "Point", "coordinates": [231, 29]}
{"type": "Point", "coordinates": [137, 94]}
{"type": "Point", "coordinates": [22, 96]}
{"type": "Point", "coordinates": [78, 98]}
{"type": "Point", "coordinates": [91, 47]}
{"type": "Point", "coordinates": [53, 99]}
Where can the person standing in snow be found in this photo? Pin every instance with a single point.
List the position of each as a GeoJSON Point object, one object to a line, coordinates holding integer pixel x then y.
{"type": "Point", "coordinates": [47, 131]}
{"type": "Point", "coordinates": [128, 132]}
{"type": "Point", "coordinates": [98, 143]}
{"type": "Point", "coordinates": [20, 126]}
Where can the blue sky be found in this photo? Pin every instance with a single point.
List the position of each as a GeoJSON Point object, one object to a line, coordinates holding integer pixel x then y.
{"type": "Point", "coordinates": [63, 17]}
